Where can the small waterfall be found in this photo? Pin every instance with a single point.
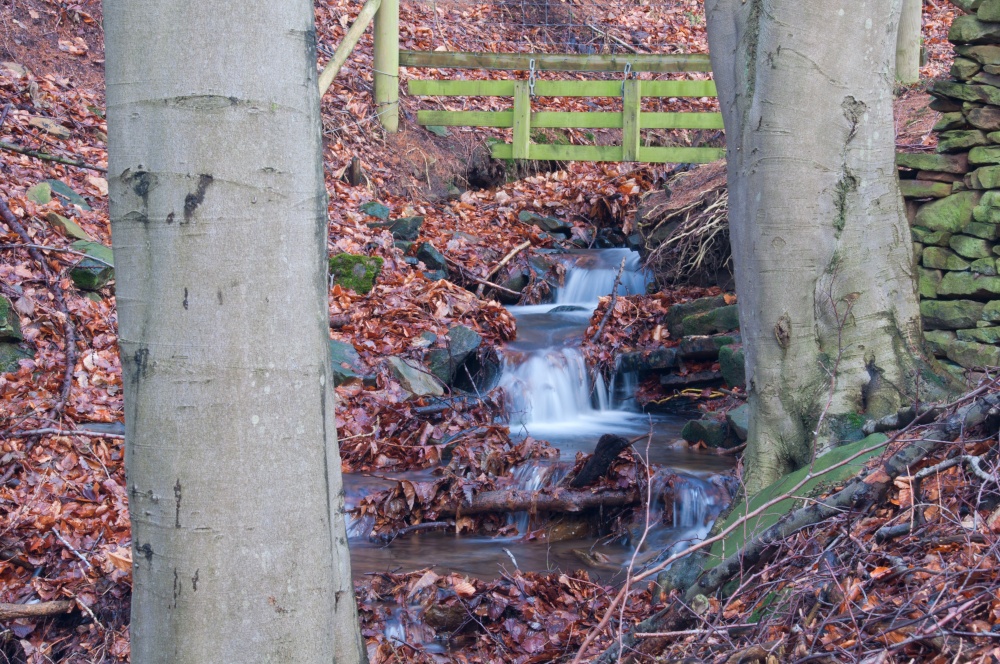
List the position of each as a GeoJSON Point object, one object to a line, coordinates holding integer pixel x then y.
{"type": "Point", "coordinates": [590, 276]}
{"type": "Point", "coordinates": [692, 505]}
{"type": "Point", "coordinates": [552, 385]}
{"type": "Point", "coordinates": [532, 477]}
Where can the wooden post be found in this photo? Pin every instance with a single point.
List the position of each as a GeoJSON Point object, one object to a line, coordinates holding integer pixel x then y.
{"type": "Point", "coordinates": [350, 41]}
{"type": "Point", "coordinates": [631, 106]}
{"type": "Point", "coordinates": [387, 65]}
{"type": "Point", "coordinates": [908, 42]}
{"type": "Point", "coordinates": [522, 120]}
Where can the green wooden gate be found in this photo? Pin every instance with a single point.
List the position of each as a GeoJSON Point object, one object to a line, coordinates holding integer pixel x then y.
{"type": "Point", "coordinates": [522, 119]}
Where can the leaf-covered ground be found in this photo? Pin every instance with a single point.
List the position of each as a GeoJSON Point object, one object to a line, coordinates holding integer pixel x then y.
{"type": "Point", "coordinates": [64, 532]}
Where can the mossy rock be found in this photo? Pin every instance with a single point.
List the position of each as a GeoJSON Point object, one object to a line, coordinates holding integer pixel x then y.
{"type": "Point", "coordinates": [962, 69]}
{"type": "Point", "coordinates": [355, 272]}
{"type": "Point", "coordinates": [970, 354]}
{"type": "Point", "coordinates": [950, 314]}
{"type": "Point", "coordinates": [950, 214]}
{"type": "Point", "coordinates": [991, 312]}
{"type": "Point", "coordinates": [91, 275]}
{"type": "Point", "coordinates": [961, 140]}
{"type": "Point", "coordinates": [711, 430]}
{"type": "Point", "coordinates": [985, 177]}
{"type": "Point", "coordinates": [375, 209]}
{"type": "Point", "coordinates": [345, 361]}
{"type": "Point", "coordinates": [967, 246]}
{"type": "Point", "coordinates": [929, 237]}
{"type": "Point", "coordinates": [969, 29]}
{"type": "Point", "coordinates": [10, 323]}
{"type": "Point", "coordinates": [11, 355]}
{"type": "Point", "coordinates": [938, 340]}
{"type": "Point", "coordinates": [984, 266]}
{"type": "Point", "coordinates": [983, 335]}
{"type": "Point", "coordinates": [732, 363]}
{"type": "Point", "coordinates": [956, 164]}
{"type": "Point", "coordinates": [968, 284]}
{"type": "Point", "coordinates": [924, 189]}
{"type": "Point", "coordinates": [678, 312]}
{"type": "Point", "coordinates": [939, 258]}
{"type": "Point", "coordinates": [723, 319]}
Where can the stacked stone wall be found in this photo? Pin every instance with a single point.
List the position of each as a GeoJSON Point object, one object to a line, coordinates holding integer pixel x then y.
{"type": "Point", "coordinates": [953, 199]}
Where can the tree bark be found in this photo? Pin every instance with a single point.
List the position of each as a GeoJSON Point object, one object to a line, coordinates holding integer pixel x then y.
{"type": "Point", "coordinates": [218, 213]}
{"type": "Point", "coordinates": [908, 42]}
{"type": "Point", "coordinates": [821, 245]}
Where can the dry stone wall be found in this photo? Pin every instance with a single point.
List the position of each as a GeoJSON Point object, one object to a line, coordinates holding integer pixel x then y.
{"type": "Point", "coordinates": [953, 199]}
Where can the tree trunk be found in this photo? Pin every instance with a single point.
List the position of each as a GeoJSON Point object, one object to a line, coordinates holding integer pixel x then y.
{"type": "Point", "coordinates": [821, 246]}
{"type": "Point", "coordinates": [218, 212]}
{"type": "Point", "coordinates": [908, 42]}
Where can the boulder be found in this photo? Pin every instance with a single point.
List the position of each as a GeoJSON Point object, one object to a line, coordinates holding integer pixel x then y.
{"type": "Point", "coordinates": [547, 224]}
{"type": "Point", "coordinates": [678, 312]}
{"type": "Point", "coordinates": [739, 421]}
{"type": "Point", "coordinates": [723, 319]}
{"type": "Point", "coordinates": [711, 430]}
{"type": "Point", "coordinates": [969, 29]}
{"type": "Point", "coordinates": [431, 257]}
{"type": "Point", "coordinates": [345, 361]}
{"type": "Point", "coordinates": [989, 10]}
{"type": "Point", "coordinates": [732, 363]}
{"type": "Point", "coordinates": [403, 228]}
{"type": "Point", "coordinates": [415, 380]}
{"type": "Point", "coordinates": [355, 272]}
{"type": "Point", "coordinates": [938, 341]}
{"type": "Point", "coordinates": [375, 209]}
{"type": "Point", "coordinates": [445, 362]}
{"type": "Point", "coordinates": [655, 360]}
{"type": "Point", "coordinates": [950, 314]}
{"type": "Point", "coordinates": [10, 323]}
{"type": "Point", "coordinates": [949, 214]}
{"type": "Point", "coordinates": [963, 69]}
{"type": "Point", "coordinates": [11, 355]}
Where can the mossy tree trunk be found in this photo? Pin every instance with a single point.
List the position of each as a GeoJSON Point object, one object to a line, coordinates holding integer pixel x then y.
{"type": "Point", "coordinates": [218, 213]}
{"type": "Point", "coordinates": [824, 264]}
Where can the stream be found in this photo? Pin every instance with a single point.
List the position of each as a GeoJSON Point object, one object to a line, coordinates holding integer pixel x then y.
{"type": "Point", "coordinates": [553, 395]}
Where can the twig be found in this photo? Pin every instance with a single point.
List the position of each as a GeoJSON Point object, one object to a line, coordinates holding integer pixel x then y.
{"type": "Point", "coordinates": [506, 259]}
{"type": "Point", "coordinates": [611, 305]}
{"type": "Point", "coordinates": [69, 329]}
{"type": "Point", "coordinates": [620, 42]}
{"type": "Point", "coordinates": [61, 432]}
{"type": "Point", "coordinates": [70, 547]}
{"type": "Point", "coordinates": [3, 115]}
{"type": "Point", "coordinates": [45, 156]}
{"type": "Point", "coordinates": [465, 273]}
{"type": "Point", "coordinates": [45, 247]}
{"type": "Point", "coordinates": [37, 610]}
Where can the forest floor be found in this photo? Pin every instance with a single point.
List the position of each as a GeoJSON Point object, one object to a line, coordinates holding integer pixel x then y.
{"type": "Point", "coordinates": [65, 535]}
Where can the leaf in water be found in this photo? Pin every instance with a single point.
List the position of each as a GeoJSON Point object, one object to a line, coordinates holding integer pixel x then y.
{"type": "Point", "coordinates": [62, 190]}
{"type": "Point", "coordinates": [41, 193]}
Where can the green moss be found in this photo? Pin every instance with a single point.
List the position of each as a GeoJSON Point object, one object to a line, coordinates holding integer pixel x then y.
{"type": "Point", "coordinates": [355, 272]}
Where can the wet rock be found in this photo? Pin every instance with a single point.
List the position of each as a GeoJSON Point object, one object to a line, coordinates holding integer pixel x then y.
{"type": "Point", "coordinates": [723, 319]}
{"type": "Point", "coordinates": [938, 341]}
{"type": "Point", "coordinates": [403, 228]}
{"type": "Point", "coordinates": [11, 355]}
{"type": "Point", "coordinates": [355, 272]}
{"type": "Point", "coordinates": [704, 347]}
{"type": "Point", "coordinates": [547, 224]}
{"type": "Point", "coordinates": [415, 380]}
{"type": "Point", "coordinates": [444, 363]}
{"type": "Point", "coordinates": [10, 324]}
{"type": "Point", "coordinates": [569, 528]}
{"type": "Point", "coordinates": [345, 362]}
{"type": "Point", "coordinates": [695, 379]}
{"type": "Point", "coordinates": [950, 314]}
{"type": "Point", "coordinates": [732, 363]}
{"type": "Point", "coordinates": [739, 421]}
{"type": "Point", "coordinates": [431, 257]}
{"type": "Point", "coordinates": [678, 312]}
{"type": "Point", "coordinates": [661, 358]}
{"type": "Point", "coordinates": [713, 430]}
{"type": "Point", "coordinates": [566, 309]}
{"type": "Point", "coordinates": [517, 281]}
{"type": "Point", "coordinates": [446, 617]}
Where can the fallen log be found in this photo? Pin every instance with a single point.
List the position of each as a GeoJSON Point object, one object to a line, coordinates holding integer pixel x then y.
{"type": "Point", "coordinates": [607, 450]}
{"type": "Point", "coordinates": [555, 499]}
{"type": "Point", "coordinates": [37, 610]}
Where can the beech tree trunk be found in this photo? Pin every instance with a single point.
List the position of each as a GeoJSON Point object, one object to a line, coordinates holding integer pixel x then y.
{"type": "Point", "coordinates": [218, 213]}
{"type": "Point", "coordinates": [821, 246]}
{"type": "Point", "coordinates": [908, 39]}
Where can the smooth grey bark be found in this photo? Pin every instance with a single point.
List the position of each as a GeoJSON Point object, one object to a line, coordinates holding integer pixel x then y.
{"type": "Point", "coordinates": [218, 213]}
{"type": "Point", "coordinates": [821, 246]}
{"type": "Point", "coordinates": [908, 39]}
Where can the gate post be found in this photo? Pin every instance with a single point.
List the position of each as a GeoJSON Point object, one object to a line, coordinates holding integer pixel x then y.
{"type": "Point", "coordinates": [386, 75]}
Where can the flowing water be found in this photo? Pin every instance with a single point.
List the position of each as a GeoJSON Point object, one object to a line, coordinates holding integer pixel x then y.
{"type": "Point", "coordinates": [553, 395]}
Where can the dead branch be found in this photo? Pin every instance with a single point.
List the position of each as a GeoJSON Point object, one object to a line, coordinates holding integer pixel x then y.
{"type": "Point", "coordinates": [555, 499]}
{"type": "Point", "coordinates": [45, 156]}
{"type": "Point", "coordinates": [611, 305]}
{"type": "Point", "coordinates": [506, 259]}
{"type": "Point", "coordinates": [37, 610]}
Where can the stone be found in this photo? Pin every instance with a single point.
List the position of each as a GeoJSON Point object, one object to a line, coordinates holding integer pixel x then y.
{"type": "Point", "coordinates": [967, 93]}
{"type": "Point", "coordinates": [732, 363]}
{"type": "Point", "coordinates": [445, 362]}
{"type": "Point", "coordinates": [967, 246]}
{"type": "Point", "coordinates": [985, 214]}
{"type": "Point", "coordinates": [958, 186]}
{"type": "Point", "coordinates": [984, 266]}
{"type": "Point", "coordinates": [91, 275]}
{"type": "Point", "coordinates": [918, 252]}
{"type": "Point", "coordinates": [986, 119]}
{"type": "Point", "coordinates": [990, 199]}
{"type": "Point", "coordinates": [678, 312]}
{"type": "Point", "coordinates": [985, 231]}
{"type": "Point", "coordinates": [985, 78]}
{"type": "Point", "coordinates": [700, 347]}
{"type": "Point", "coordinates": [723, 319]}
{"type": "Point", "coordinates": [964, 69]}
{"type": "Point", "coordinates": [517, 281]}
{"type": "Point", "coordinates": [431, 257]}
{"type": "Point", "coordinates": [10, 323]}
{"type": "Point", "coordinates": [927, 236]}
{"type": "Point", "coordinates": [739, 421]}
{"type": "Point", "coordinates": [984, 154]}
{"type": "Point", "coordinates": [547, 224]}
{"type": "Point", "coordinates": [435, 275]}
{"type": "Point", "coordinates": [375, 209]}
{"type": "Point", "coordinates": [949, 121]}
{"type": "Point", "coordinates": [961, 140]}
{"type": "Point", "coordinates": [355, 272]}
{"type": "Point", "coordinates": [938, 177]}
{"type": "Point", "coordinates": [991, 312]}
{"type": "Point", "coordinates": [713, 431]}
{"type": "Point", "coordinates": [11, 355]}
{"type": "Point", "coordinates": [345, 362]}
{"type": "Point", "coordinates": [694, 379]}
{"type": "Point", "coordinates": [403, 228]}
{"type": "Point", "coordinates": [994, 136]}
{"type": "Point", "coordinates": [983, 335]}
{"type": "Point", "coordinates": [989, 10]}
{"type": "Point", "coordinates": [943, 105]}
{"type": "Point", "coordinates": [950, 314]}
{"type": "Point", "coordinates": [417, 381]}
{"type": "Point", "coordinates": [991, 69]}
{"type": "Point", "coordinates": [924, 189]}
{"type": "Point", "coordinates": [658, 359]}
{"type": "Point", "coordinates": [67, 226]}
{"type": "Point", "coordinates": [970, 30]}
{"type": "Point", "coordinates": [987, 54]}
{"type": "Point", "coordinates": [927, 283]}
{"type": "Point", "coordinates": [949, 214]}
{"type": "Point", "coordinates": [926, 161]}
{"type": "Point", "coordinates": [938, 340]}
{"type": "Point", "coordinates": [970, 354]}
{"type": "Point", "coordinates": [985, 177]}
{"type": "Point", "coordinates": [938, 258]}
{"type": "Point", "coordinates": [966, 283]}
